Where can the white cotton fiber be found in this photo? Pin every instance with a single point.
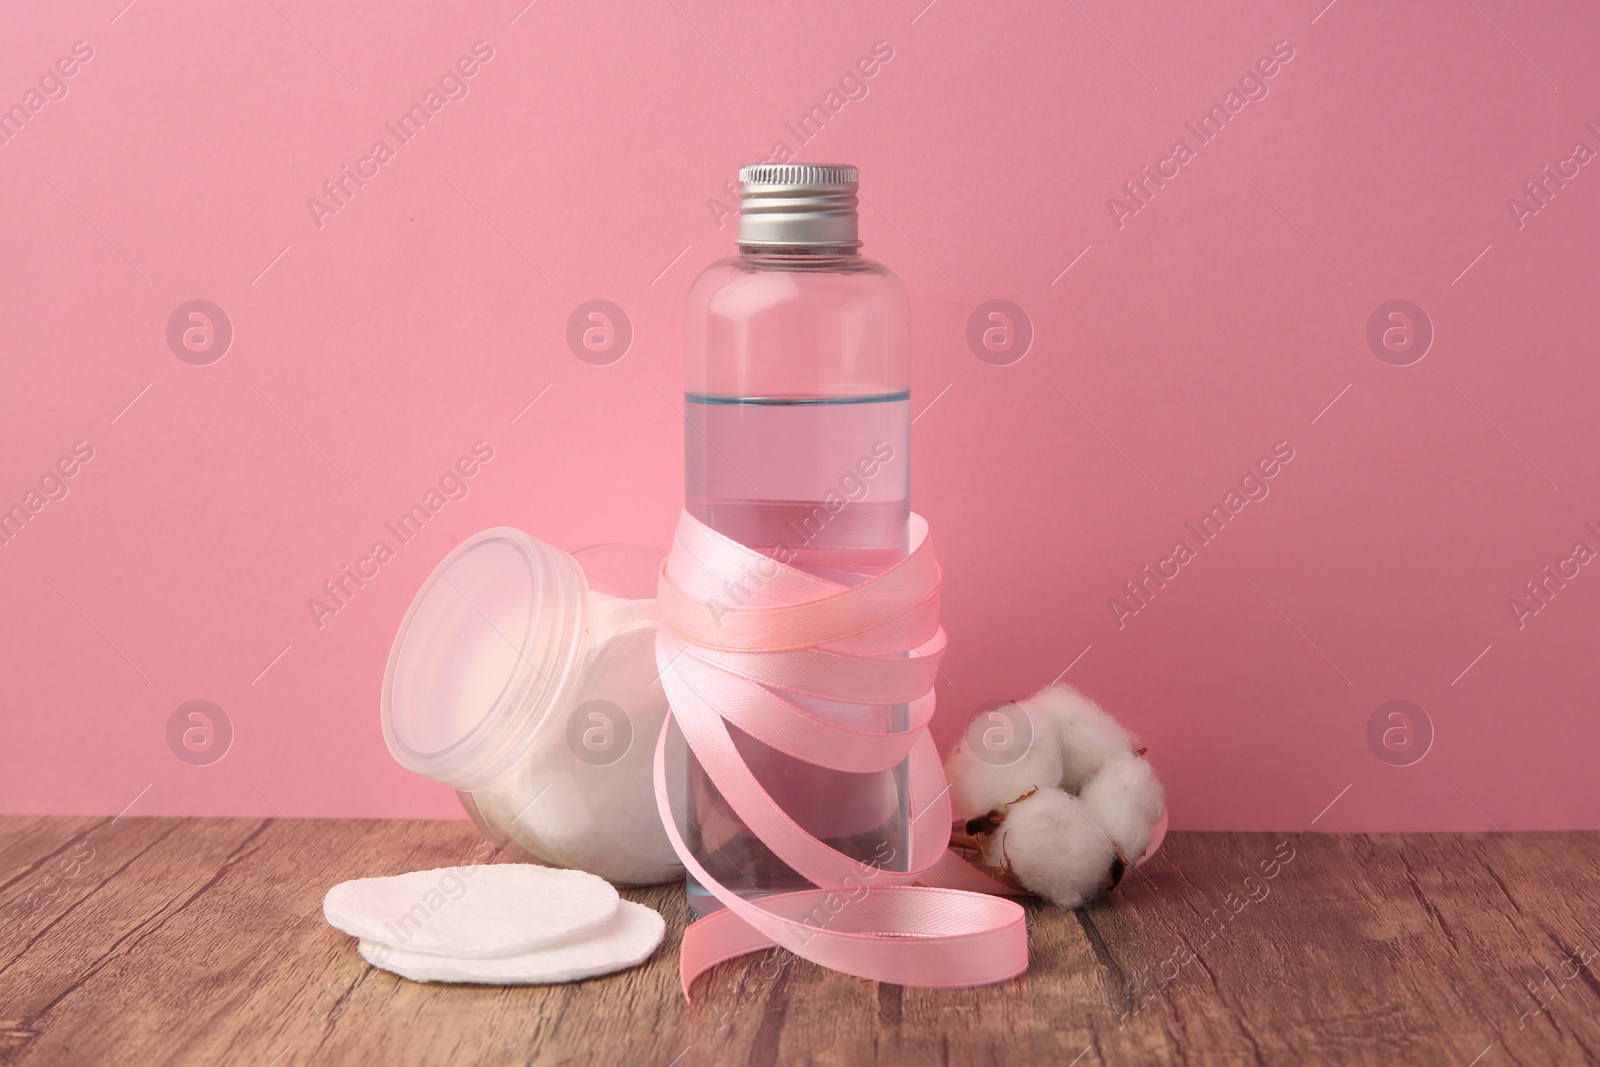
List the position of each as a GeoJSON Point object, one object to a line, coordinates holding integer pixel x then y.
{"type": "Point", "coordinates": [1054, 848]}
{"type": "Point", "coordinates": [1089, 737]}
{"type": "Point", "coordinates": [472, 912]}
{"type": "Point", "coordinates": [1125, 799]}
{"type": "Point", "coordinates": [1096, 808]}
{"type": "Point", "coordinates": [626, 940]}
{"type": "Point", "coordinates": [988, 778]}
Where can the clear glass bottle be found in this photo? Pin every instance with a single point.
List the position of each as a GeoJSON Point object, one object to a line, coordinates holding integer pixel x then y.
{"type": "Point", "coordinates": [798, 408]}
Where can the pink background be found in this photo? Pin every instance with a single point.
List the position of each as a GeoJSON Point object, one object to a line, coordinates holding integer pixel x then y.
{"type": "Point", "coordinates": [1225, 316]}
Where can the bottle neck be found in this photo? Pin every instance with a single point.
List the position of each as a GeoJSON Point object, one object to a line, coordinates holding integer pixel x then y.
{"type": "Point", "coordinates": [797, 255]}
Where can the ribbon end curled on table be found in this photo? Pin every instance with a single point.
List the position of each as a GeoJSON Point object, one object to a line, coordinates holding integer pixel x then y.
{"type": "Point", "coordinates": [898, 937]}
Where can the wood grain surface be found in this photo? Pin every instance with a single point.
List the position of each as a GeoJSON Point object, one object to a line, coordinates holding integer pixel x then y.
{"type": "Point", "coordinates": [152, 941]}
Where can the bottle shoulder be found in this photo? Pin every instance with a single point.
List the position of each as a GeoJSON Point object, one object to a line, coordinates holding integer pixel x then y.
{"type": "Point", "coordinates": [786, 329]}
{"type": "Point", "coordinates": [744, 284]}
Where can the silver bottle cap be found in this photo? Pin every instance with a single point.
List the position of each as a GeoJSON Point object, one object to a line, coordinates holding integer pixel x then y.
{"type": "Point", "coordinates": [798, 205]}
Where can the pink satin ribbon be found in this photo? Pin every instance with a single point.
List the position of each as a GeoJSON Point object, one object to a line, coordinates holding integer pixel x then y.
{"type": "Point", "coordinates": [743, 633]}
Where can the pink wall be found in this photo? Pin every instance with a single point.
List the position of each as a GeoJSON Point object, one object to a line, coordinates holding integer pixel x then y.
{"type": "Point", "coordinates": [1172, 348]}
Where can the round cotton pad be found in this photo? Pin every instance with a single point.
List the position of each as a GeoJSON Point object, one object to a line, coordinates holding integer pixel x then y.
{"type": "Point", "coordinates": [626, 940]}
{"type": "Point", "coordinates": [472, 912]}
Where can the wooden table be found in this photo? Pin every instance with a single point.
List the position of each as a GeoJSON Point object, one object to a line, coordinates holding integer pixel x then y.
{"type": "Point", "coordinates": [145, 941]}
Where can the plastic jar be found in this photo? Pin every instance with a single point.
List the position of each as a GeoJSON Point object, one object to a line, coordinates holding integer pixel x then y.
{"type": "Point", "coordinates": [524, 677]}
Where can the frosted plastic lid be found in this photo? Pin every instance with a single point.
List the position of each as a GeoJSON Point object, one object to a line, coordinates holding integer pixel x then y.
{"type": "Point", "coordinates": [492, 641]}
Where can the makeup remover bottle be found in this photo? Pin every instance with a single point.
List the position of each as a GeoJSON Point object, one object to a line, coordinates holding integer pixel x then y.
{"type": "Point", "coordinates": [797, 406]}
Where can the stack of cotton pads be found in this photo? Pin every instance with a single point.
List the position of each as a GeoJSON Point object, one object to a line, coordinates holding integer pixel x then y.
{"type": "Point", "coordinates": [506, 924]}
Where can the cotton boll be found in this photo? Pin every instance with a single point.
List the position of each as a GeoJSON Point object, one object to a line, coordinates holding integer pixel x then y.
{"type": "Point", "coordinates": [1089, 737]}
{"type": "Point", "coordinates": [1053, 848]}
{"type": "Point", "coordinates": [1094, 810]}
{"type": "Point", "coordinates": [1125, 799]}
{"type": "Point", "coordinates": [992, 776]}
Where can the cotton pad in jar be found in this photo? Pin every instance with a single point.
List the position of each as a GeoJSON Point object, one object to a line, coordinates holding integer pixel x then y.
{"type": "Point", "coordinates": [524, 677]}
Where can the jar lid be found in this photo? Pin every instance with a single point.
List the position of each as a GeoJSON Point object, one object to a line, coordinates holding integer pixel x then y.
{"type": "Point", "coordinates": [492, 641]}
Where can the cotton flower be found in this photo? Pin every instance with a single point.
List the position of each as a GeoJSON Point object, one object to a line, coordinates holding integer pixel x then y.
{"type": "Point", "coordinates": [1053, 848]}
{"type": "Point", "coordinates": [1089, 737]}
{"type": "Point", "coordinates": [1066, 817]}
{"type": "Point", "coordinates": [1125, 799]}
{"type": "Point", "coordinates": [1027, 756]}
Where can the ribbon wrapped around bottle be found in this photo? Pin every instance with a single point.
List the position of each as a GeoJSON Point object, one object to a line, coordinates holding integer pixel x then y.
{"type": "Point", "coordinates": [740, 630]}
